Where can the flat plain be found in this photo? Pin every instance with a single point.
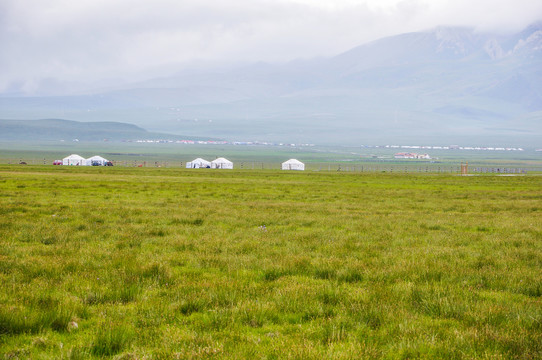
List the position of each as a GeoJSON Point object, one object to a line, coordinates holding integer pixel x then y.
{"type": "Point", "coordinates": [166, 263]}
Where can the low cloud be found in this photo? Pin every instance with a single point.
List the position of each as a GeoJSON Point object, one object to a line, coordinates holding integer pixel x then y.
{"type": "Point", "coordinates": [88, 40]}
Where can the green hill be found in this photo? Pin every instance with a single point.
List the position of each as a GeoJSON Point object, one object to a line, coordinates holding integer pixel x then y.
{"type": "Point", "coordinates": [58, 129]}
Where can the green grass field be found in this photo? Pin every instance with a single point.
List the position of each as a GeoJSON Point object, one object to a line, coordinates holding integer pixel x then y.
{"type": "Point", "coordinates": [169, 263]}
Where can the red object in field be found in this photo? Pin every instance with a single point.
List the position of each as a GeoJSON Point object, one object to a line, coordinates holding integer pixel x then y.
{"type": "Point", "coordinates": [57, 162]}
{"type": "Point", "coordinates": [140, 165]}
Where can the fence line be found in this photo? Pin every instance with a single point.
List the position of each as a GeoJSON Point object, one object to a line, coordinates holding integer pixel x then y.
{"type": "Point", "coordinates": [331, 167]}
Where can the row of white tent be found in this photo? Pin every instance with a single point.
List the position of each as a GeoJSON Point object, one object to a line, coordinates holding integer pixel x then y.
{"type": "Point", "coordinates": [75, 159]}
{"type": "Point", "coordinates": [222, 163]}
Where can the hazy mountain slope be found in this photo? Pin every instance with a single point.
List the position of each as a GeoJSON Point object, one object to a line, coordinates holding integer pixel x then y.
{"type": "Point", "coordinates": [437, 83]}
{"type": "Point", "coordinates": [57, 129]}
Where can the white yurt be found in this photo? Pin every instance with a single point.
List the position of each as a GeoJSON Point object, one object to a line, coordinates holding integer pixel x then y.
{"type": "Point", "coordinates": [73, 159]}
{"type": "Point", "coordinates": [198, 163]}
{"type": "Point", "coordinates": [293, 164]}
{"type": "Point", "coordinates": [221, 163]}
{"type": "Point", "coordinates": [96, 160]}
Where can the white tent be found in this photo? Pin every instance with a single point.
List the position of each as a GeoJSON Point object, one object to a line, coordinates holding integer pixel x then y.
{"type": "Point", "coordinates": [95, 160]}
{"type": "Point", "coordinates": [198, 163]}
{"type": "Point", "coordinates": [73, 159]}
{"type": "Point", "coordinates": [221, 163]}
{"type": "Point", "coordinates": [293, 164]}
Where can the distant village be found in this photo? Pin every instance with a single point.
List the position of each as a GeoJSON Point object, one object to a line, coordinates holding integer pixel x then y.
{"type": "Point", "coordinates": [219, 142]}
{"type": "Point", "coordinates": [406, 155]}
{"type": "Point", "coordinates": [450, 147]}
{"type": "Point", "coordinates": [413, 155]}
{"type": "Point", "coordinates": [398, 155]}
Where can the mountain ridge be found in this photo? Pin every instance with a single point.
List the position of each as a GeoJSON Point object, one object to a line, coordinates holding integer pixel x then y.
{"type": "Point", "coordinates": [62, 130]}
{"type": "Point", "coordinates": [447, 80]}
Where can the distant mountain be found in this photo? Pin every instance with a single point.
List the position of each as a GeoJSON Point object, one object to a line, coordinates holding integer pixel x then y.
{"type": "Point", "coordinates": [448, 82]}
{"type": "Point", "coordinates": [57, 129]}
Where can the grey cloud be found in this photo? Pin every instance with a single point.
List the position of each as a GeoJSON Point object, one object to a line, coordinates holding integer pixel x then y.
{"type": "Point", "coordinates": [92, 39]}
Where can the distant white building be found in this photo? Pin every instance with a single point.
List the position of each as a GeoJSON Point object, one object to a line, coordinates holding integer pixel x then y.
{"type": "Point", "coordinates": [73, 159]}
{"type": "Point", "coordinates": [221, 163]}
{"type": "Point", "coordinates": [293, 164]}
{"type": "Point", "coordinates": [407, 155]}
{"type": "Point", "coordinates": [198, 163]}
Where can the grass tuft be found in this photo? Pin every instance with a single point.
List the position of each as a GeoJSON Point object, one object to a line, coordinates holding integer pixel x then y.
{"type": "Point", "coordinates": [111, 340]}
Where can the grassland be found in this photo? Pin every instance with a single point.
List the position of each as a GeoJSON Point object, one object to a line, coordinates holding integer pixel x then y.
{"type": "Point", "coordinates": [165, 263]}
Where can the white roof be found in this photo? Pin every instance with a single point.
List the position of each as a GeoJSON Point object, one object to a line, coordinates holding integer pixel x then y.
{"type": "Point", "coordinates": [74, 157]}
{"type": "Point", "coordinates": [200, 161]}
{"type": "Point", "coordinates": [221, 161]}
{"type": "Point", "coordinates": [97, 158]}
{"type": "Point", "coordinates": [293, 161]}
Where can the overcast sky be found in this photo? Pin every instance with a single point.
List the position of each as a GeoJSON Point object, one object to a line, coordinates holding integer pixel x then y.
{"type": "Point", "coordinates": [88, 40]}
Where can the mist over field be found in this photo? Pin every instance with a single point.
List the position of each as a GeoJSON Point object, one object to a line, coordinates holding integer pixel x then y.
{"type": "Point", "coordinates": [295, 75]}
{"type": "Point", "coordinates": [437, 85]}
